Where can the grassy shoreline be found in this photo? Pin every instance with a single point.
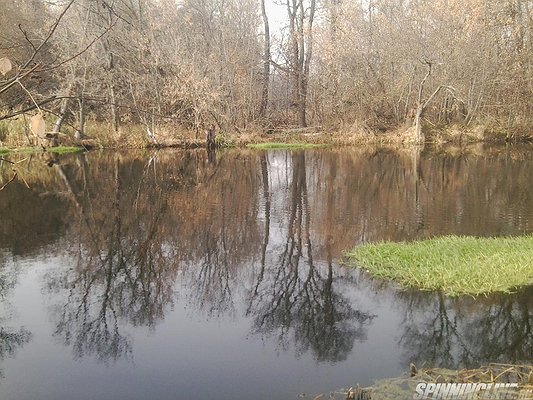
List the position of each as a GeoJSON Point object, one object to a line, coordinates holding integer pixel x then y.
{"type": "Point", "coordinates": [29, 150]}
{"type": "Point", "coordinates": [134, 136]}
{"type": "Point", "coordinates": [456, 265]}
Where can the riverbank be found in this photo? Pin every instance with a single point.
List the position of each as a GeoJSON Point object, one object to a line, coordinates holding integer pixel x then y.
{"type": "Point", "coordinates": [15, 136]}
{"type": "Point", "coordinates": [455, 265]}
{"type": "Point", "coordinates": [436, 136]}
{"type": "Point", "coordinates": [493, 381]}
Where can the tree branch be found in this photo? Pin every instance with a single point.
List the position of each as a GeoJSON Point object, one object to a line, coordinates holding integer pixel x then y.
{"type": "Point", "coordinates": [287, 70]}
{"type": "Point", "coordinates": [17, 78]}
{"type": "Point", "coordinates": [7, 161]}
{"type": "Point", "coordinates": [80, 52]}
{"type": "Point", "coordinates": [47, 38]}
{"type": "Point", "coordinates": [25, 110]}
{"type": "Point", "coordinates": [26, 37]}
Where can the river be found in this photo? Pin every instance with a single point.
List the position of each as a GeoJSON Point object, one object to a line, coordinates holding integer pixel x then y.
{"type": "Point", "coordinates": [172, 274]}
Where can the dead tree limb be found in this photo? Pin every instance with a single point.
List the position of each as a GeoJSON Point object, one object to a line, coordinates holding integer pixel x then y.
{"type": "Point", "coordinates": [421, 105]}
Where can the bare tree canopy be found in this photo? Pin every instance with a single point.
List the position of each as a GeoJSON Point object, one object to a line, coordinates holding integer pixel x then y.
{"type": "Point", "coordinates": [372, 65]}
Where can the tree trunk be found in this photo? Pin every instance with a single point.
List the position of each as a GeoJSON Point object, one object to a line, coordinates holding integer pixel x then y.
{"type": "Point", "coordinates": [80, 133]}
{"type": "Point", "coordinates": [418, 124]}
{"type": "Point", "coordinates": [420, 107]}
{"type": "Point", "coordinates": [266, 64]}
{"type": "Point", "coordinates": [115, 117]}
{"type": "Point", "coordinates": [61, 116]}
{"type": "Point", "coordinates": [210, 138]}
{"type": "Point", "coordinates": [307, 62]}
{"type": "Point", "coordinates": [301, 50]}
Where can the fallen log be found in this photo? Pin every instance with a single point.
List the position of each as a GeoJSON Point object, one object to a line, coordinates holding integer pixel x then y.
{"type": "Point", "coordinates": [295, 131]}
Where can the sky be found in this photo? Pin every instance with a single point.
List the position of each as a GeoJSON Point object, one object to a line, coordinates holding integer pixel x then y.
{"type": "Point", "coordinates": [276, 14]}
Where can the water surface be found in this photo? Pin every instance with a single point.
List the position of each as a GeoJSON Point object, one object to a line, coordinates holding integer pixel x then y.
{"type": "Point", "coordinates": [178, 275]}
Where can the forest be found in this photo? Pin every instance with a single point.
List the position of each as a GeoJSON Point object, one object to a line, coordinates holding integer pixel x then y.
{"type": "Point", "coordinates": [141, 71]}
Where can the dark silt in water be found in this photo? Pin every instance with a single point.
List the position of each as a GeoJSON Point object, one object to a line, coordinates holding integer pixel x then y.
{"type": "Point", "coordinates": [174, 275]}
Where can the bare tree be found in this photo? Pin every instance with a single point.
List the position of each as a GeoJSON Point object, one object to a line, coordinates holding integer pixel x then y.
{"type": "Point", "coordinates": [266, 63]}
{"type": "Point", "coordinates": [300, 18]}
{"type": "Point", "coordinates": [350, 65]}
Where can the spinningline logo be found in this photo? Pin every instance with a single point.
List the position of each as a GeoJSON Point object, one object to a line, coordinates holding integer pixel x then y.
{"type": "Point", "coordinates": [465, 391]}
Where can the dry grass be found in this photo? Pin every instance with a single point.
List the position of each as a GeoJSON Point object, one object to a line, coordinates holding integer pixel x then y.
{"type": "Point", "coordinates": [405, 387]}
{"type": "Point", "coordinates": [15, 133]}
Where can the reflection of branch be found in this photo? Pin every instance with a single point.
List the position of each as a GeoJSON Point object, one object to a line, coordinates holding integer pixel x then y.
{"type": "Point", "coordinates": [10, 341]}
{"type": "Point", "coordinates": [15, 172]}
{"type": "Point", "coordinates": [213, 279]}
{"type": "Point", "coordinates": [8, 182]}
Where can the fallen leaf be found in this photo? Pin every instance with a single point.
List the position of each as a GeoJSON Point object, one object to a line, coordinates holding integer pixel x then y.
{"type": "Point", "coordinates": [38, 125]}
{"type": "Point", "coordinates": [5, 65]}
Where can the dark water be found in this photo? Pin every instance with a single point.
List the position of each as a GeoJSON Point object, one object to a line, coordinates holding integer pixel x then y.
{"type": "Point", "coordinates": [171, 275]}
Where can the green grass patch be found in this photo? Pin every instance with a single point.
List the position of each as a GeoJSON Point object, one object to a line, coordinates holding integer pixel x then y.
{"type": "Point", "coordinates": [274, 145]}
{"type": "Point", "coordinates": [64, 149]}
{"type": "Point", "coordinates": [456, 265]}
{"type": "Point", "coordinates": [5, 150]}
{"type": "Point", "coordinates": [25, 150]}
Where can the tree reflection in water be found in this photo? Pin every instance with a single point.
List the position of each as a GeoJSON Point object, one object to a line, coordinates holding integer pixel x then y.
{"type": "Point", "coordinates": [11, 339]}
{"type": "Point", "coordinates": [293, 295]}
{"type": "Point", "coordinates": [138, 227]}
{"type": "Point", "coordinates": [255, 234]}
{"type": "Point", "coordinates": [123, 273]}
{"type": "Point", "coordinates": [467, 332]}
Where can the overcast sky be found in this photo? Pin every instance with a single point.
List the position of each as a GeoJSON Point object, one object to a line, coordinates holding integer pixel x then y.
{"type": "Point", "coordinates": [276, 15]}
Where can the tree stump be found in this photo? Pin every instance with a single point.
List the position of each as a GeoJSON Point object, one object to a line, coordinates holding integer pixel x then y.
{"type": "Point", "coordinates": [210, 137]}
